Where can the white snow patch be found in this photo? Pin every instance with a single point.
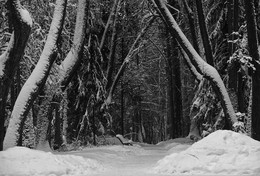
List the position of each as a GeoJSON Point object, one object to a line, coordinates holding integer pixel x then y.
{"type": "Point", "coordinates": [2, 63]}
{"type": "Point", "coordinates": [26, 17]}
{"type": "Point", "coordinates": [19, 161]}
{"type": "Point", "coordinates": [222, 152]}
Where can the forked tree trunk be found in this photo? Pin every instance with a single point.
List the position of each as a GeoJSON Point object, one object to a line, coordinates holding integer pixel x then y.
{"type": "Point", "coordinates": [254, 53]}
{"type": "Point", "coordinates": [201, 66]}
{"type": "Point", "coordinates": [37, 79]}
{"type": "Point", "coordinates": [21, 22]}
{"type": "Point", "coordinates": [67, 69]}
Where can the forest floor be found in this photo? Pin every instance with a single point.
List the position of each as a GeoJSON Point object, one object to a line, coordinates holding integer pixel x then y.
{"type": "Point", "coordinates": [220, 153]}
{"type": "Point", "coordinates": [136, 160]}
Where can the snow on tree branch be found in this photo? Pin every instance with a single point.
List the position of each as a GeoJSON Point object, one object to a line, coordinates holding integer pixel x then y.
{"type": "Point", "coordinates": [37, 79]}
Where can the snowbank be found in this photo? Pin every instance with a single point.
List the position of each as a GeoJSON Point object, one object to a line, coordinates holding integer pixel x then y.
{"type": "Point", "coordinates": [19, 161]}
{"type": "Point", "coordinates": [222, 152]}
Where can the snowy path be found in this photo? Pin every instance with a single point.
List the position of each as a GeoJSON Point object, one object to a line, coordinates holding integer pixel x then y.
{"type": "Point", "coordinates": [220, 153]}
{"type": "Point", "coordinates": [131, 160]}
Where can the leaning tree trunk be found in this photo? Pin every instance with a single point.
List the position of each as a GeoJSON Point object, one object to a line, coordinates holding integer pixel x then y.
{"type": "Point", "coordinates": [37, 79]}
{"type": "Point", "coordinates": [66, 71]}
{"type": "Point", "coordinates": [254, 53]}
{"type": "Point", "coordinates": [21, 22]}
{"type": "Point", "coordinates": [201, 66]}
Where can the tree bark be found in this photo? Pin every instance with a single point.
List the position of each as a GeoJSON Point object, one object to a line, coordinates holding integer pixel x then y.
{"type": "Point", "coordinates": [201, 66]}
{"type": "Point", "coordinates": [254, 53]}
{"type": "Point", "coordinates": [37, 79]}
{"type": "Point", "coordinates": [204, 33]}
{"type": "Point", "coordinates": [21, 22]}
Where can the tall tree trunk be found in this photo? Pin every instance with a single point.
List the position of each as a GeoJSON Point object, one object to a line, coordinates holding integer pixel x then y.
{"type": "Point", "coordinates": [201, 66]}
{"type": "Point", "coordinates": [170, 87]}
{"type": "Point", "coordinates": [177, 86]}
{"type": "Point", "coordinates": [111, 57]}
{"type": "Point", "coordinates": [37, 79]}
{"type": "Point", "coordinates": [57, 137]}
{"type": "Point", "coordinates": [232, 72]}
{"type": "Point", "coordinates": [178, 122]}
{"type": "Point", "coordinates": [122, 88]}
{"type": "Point", "coordinates": [240, 80]}
{"type": "Point", "coordinates": [204, 33]}
{"type": "Point", "coordinates": [232, 82]}
{"type": "Point", "coordinates": [122, 108]}
{"type": "Point", "coordinates": [254, 53]}
{"type": "Point", "coordinates": [21, 23]}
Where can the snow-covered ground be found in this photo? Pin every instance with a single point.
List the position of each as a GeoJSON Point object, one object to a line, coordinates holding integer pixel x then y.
{"type": "Point", "coordinates": [23, 161]}
{"type": "Point", "coordinates": [220, 153]}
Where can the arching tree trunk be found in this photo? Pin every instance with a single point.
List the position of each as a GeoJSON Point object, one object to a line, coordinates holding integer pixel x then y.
{"type": "Point", "coordinates": [37, 79]}
{"type": "Point", "coordinates": [21, 23]}
{"type": "Point", "coordinates": [201, 66]}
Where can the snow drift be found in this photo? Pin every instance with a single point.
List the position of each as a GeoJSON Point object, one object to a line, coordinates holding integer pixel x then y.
{"type": "Point", "coordinates": [20, 161]}
{"type": "Point", "coordinates": [222, 152]}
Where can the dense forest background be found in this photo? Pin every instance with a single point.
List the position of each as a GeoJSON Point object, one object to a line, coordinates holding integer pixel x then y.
{"type": "Point", "coordinates": [77, 72]}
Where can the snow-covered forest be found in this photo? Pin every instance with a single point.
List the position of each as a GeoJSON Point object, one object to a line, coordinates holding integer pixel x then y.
{"type": "Point", "coordinates": [129, 87]}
